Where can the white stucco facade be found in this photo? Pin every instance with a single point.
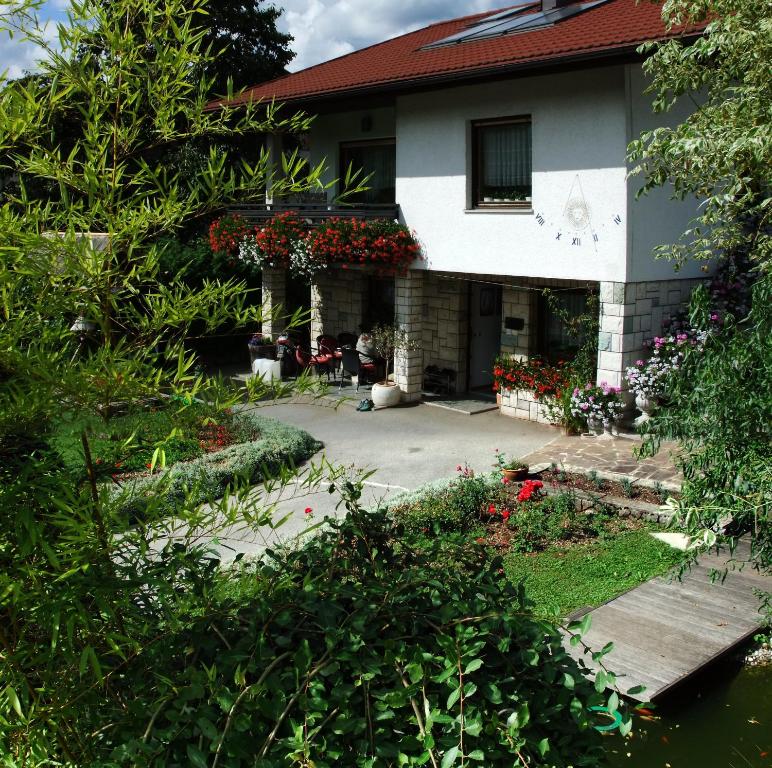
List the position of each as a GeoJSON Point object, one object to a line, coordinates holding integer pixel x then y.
{"type": "Point", "coordinates": [582, 123]}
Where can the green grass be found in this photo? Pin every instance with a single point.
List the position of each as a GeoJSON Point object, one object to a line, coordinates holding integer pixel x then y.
{"type": "Point", "coordinates": [143, 430]}
{"type": "Point", "coordinates": [558, 581]}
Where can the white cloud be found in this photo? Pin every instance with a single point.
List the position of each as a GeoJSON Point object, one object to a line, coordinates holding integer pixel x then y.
{"type": "Point", "coordinates": [18, 56]}
{"type": "Point", "coordinates": [324, 29]}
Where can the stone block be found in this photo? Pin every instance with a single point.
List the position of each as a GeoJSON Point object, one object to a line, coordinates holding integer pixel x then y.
{"type": "Point", "coordinates": [643, 306]}
{"type": "Point", "coordinates": [628, 324]}
{"type": "Point", "coordinates": [610, 361]}
{"type": "Point", "coordinates": [631, 292]}
{"type": "Point", "coordinates": [604, 342]}
{"type": "Point", "coordinates": [612, 323]}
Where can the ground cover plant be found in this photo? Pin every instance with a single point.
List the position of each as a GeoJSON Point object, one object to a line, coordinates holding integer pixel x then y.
{"type": "Point", "coordinates": [543, 540]}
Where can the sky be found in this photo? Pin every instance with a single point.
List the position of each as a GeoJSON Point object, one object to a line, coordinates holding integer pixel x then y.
{"type": "Point", "coordinates": [323, 29]}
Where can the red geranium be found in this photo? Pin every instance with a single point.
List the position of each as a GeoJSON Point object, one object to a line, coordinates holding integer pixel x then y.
{"type": "Point", "coordinates": [529, 490]}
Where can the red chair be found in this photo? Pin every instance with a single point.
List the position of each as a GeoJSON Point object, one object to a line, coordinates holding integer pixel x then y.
{"type": "Point", "coordinates": [328, 345]}
{"type": "Point", "coordinates": [318, 362]}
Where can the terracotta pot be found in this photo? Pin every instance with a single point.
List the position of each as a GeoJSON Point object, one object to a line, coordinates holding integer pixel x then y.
{"type": "Point", "coordinates": [515, 475]}
{"type": "Point", "coordinates": [386, 395]}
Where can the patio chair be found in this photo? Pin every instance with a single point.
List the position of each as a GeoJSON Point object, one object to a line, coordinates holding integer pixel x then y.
{"type": "Point", "coordinates": [352, 365]}
{"type": "Point", "coordinates": [347, 339]}
{"type": "Point", "coordinates": [328, 345]}
{"type": "Point", "coordinates": [320, 363]}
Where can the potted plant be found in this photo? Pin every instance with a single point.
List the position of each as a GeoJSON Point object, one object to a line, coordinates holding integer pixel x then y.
{"type": "Point", "coordinates": [387, 340]}
{"type": "Point", "coordinates": [261, 346]}
{"type": "Point", "coordinates": [513, 470]}
{"type": "Point", "coordinates": [599, 404]}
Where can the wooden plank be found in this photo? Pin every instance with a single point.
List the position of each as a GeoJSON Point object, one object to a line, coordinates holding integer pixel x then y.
{"type": "Point", "coordinates": [666, 630]}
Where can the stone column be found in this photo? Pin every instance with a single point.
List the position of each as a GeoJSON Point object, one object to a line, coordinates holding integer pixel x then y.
{"type": "Point", "coordinates": [630, 315]}
{"type": "Point", "coordinates": [274, 300]}
{"type": "Point", "coordinates": [409, 312]}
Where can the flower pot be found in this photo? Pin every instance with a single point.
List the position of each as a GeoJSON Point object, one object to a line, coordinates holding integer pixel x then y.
{"type": "Point", "coordinates": [595, 425]}
{"type": "Point", "coordinates": [515, 475]}
{"type": "Point", "coordinates": [261, 352]}
{"type": "Point", "coordinates": [645, 405]}
{"type": "Point", "coordinates": [386, 395]}
{"type": "Point", "coordinates": [498, 399]}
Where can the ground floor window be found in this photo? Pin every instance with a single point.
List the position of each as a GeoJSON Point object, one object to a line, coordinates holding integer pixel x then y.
{"type": "Point", "coordinates": [379, 305]}
{"type": "Point", "coordinates": [556, 340]}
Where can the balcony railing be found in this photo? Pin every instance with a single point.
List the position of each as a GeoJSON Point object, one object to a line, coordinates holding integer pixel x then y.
{"type": "Point", "coordinates": [315, 213]}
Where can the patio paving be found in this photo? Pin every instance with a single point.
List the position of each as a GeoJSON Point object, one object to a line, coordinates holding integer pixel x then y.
{"type": "Point", "coordinates": [612, 459]}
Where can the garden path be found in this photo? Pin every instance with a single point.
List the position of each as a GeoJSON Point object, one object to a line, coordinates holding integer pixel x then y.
{"type": "Point", "coordinates": [406, 447]}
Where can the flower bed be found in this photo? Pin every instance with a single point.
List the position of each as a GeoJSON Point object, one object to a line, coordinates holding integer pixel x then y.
{"type": "Point", "coordinates": [534, 532]}
{"type": "Point", "coordinates": [533, 374]}
{"type": "Point", "coordinates": [286, 241]}
{"type": "Point", "coordinates": [272, 445]}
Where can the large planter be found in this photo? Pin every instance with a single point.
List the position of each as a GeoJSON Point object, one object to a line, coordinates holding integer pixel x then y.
{"type": "Point", "coordinates": [261, 352]}
{"type": "Point", "coordinates": [386, 395]}
{"type": "Point", "coordinates": [515, 475]}
{"type": "Point", "coordinates": [645, 405]}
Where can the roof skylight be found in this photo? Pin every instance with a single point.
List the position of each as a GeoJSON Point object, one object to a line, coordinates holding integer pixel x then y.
{"type": "Point", "coordinates": [524, 17]}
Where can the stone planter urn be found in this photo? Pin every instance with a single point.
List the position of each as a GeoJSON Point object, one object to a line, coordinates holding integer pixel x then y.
{"type": "Point", "coordinates": [595, 425]}
{"type": "Point", "coordinates": [645, 405]}
{"type": "Point", "coordinates": [386, 395]}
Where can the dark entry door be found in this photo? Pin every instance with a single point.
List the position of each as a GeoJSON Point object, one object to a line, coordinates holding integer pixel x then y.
{"type": "Point", "coordinates": [484, 333]}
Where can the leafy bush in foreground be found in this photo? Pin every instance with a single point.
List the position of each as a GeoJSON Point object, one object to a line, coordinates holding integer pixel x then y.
{"type": "Point", "coordinates": [357, 653]}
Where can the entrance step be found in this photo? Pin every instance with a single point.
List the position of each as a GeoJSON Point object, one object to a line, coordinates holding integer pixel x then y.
{"type": "Point", "coordinates": [469, 405]}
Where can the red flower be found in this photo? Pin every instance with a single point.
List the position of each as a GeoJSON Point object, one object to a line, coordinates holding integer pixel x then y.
{"type": "Point", "coordinates": [309, 510]}
{"type": "Point", "coordinates": [505, 514]}
{"type": "Point", "coordinates": [492, 509]}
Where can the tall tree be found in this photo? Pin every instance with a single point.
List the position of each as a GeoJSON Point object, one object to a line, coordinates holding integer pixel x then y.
{"type": "Point", "coordinates": [720, 407]}
{"type": "Point", "coordinates": [248, 47]}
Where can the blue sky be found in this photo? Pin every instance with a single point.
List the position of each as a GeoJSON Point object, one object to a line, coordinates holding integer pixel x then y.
{"type": "Point", "coordinates": [322, 29]}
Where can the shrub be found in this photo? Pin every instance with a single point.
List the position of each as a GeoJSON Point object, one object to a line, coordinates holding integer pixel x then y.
{"type": "Point", "coordinates": [357, 653]}
{"type": "Point", "coordinates": [451, 506]}
{"type": "Point", "coordinates": [536, 525]}
{"type": "Point", "coordinates": [208, 477]}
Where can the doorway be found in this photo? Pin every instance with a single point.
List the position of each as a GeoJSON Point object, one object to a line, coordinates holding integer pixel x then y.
{"type": "Point", "coordinates": [484, 334]}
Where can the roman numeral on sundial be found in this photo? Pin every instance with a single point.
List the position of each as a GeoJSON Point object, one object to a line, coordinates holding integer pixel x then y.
{"type": "Point", "coordinates": [617, 219]}
{"type": "Point", "coordinates": [576, 241]}
{"type": "Point", "coordinates": [540, 219]}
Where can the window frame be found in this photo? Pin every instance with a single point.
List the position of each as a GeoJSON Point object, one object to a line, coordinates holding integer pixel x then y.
{"type": "Point", "coordinates": [387, 141]}
{"type": "Point", "coordinates": [477, 201]}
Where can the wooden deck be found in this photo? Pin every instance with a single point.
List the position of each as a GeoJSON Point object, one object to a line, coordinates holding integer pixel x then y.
{"type": "Point", "coordinates": [666, 630]}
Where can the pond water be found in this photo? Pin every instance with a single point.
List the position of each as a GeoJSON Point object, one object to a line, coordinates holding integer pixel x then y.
{"type": "Point", "coordinates": [722, 719]}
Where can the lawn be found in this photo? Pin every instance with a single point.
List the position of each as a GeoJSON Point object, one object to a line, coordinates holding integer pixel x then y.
{"type": "Point", "coordinates": [560, 580]}
{"type": "Point", "coordinates": [567, 558]}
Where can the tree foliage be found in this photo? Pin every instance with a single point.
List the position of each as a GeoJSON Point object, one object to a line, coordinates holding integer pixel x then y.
{"type": "Point", "coordinates": [123, 641]}
{"type": "Point", "coordinates": [719, 406]}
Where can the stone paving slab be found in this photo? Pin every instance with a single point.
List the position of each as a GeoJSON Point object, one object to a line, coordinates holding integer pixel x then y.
{"type": "Point", "coordinates": [611, 458]}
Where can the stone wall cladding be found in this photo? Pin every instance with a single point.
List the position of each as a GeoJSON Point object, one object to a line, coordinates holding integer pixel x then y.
{"type": "Point", "coordinates": [522, 404]}
{"type": "Point", "coordinates": [518, 303]}
{"type": "Point", "coordinates": [445, 325]}
{"type": "Point", "coordinates": [337, 302]}
{"type": "Point", "coordinates": [630, 315]}
{"type": "Point", "coordinates": [274, 297]}
{"type": "Point", "coordinates": [409, 315]}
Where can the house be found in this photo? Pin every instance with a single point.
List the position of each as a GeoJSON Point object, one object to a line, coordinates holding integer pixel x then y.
{"type": "Point", "coordinates": [501, 139]}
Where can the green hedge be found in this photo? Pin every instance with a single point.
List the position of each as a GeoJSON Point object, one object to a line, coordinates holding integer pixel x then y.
{"type": "Point", "coordinates": [207, 477]}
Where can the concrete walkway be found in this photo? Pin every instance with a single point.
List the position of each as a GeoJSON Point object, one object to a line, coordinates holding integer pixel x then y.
{"type": "Point", "coordinates": [406, 447]}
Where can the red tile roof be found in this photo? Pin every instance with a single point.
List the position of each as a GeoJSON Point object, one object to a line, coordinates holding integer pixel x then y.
{"type": "Point", "coordinates": [611, 28]}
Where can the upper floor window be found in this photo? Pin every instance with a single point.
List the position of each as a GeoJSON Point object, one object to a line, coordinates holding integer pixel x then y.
{"type": "Point", "coordinates": [377, 159]}
{"type": "Point", "coordinates": [501, 164]}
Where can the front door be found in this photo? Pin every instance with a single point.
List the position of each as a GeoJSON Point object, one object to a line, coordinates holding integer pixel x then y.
{"type": "Point", "coordinates": [484, 333]}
